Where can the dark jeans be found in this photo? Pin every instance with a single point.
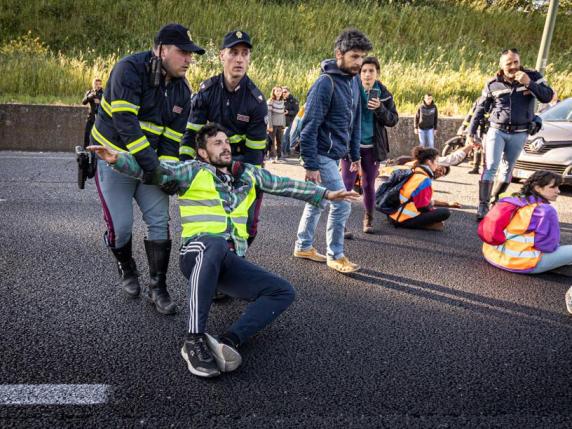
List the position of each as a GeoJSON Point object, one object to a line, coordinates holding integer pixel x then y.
{"type": "Point", "coordinates": [369, 170]}
{"type": "Point", "coordinates": [276, 146]}
{"type": "Point", "coordinates": [427, 218]}
{"type": "Point", "coordinates": [209, 264]}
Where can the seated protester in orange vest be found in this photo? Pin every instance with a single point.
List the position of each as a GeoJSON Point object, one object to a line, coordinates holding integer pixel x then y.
{"type": "Point", "coordinates": [531, 242]}
{"type": "Point", "coordinates": [417, 210]}
{"type": "Point", "coordinates": [215, 197]}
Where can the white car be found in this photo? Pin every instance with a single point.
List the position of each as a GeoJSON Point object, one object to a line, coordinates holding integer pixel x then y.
{"type": "Point", "coordinates": [551, 148]}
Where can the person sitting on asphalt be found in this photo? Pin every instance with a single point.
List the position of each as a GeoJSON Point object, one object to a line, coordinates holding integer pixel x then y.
{"type": "Point", "coordinates": [532, 235]}
{"type": "Point", "coordinates": [417, 210]}
{"type": "Point", "coordinates": [215, 195]}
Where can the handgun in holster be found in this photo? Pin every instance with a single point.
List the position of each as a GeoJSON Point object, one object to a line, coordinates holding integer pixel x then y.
{"type": "Point", "coordinates": [86, 165]}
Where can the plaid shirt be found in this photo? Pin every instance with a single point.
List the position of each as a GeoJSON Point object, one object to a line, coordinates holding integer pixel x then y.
{"type": "Point", "coordinates": [231, 189]}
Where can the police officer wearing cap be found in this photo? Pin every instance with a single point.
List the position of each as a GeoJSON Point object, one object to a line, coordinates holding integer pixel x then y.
{"type": "Point", "coordinates": [232, 100]}
{"type": "Point", "coordinates": [509, 98]}
{"type": "Point", "coordinates": [143, 111]}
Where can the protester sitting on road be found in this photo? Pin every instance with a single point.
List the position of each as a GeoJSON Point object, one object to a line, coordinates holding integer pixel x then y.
{"type": "Point", "coordinates": [377, 112]}
{"type": "Point", "coordinates": [417, 210]}
{"type": "Point", "coordinates": [522, 234]}
{"type": "Point", "coordinates": [215, 195]}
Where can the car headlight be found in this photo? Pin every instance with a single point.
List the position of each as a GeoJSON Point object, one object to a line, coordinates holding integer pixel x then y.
{"type": "Point", "coordinates": [536, 145]}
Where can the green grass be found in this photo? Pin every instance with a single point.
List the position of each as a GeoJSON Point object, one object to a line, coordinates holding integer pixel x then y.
{"type": "Point", "coordinates": [50, 50]}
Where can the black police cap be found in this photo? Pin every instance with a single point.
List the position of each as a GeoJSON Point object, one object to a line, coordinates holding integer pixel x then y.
{"type": "Point", "coordinates": [234, 38]}
{"type": "Point", "coordinates": [176, 34]}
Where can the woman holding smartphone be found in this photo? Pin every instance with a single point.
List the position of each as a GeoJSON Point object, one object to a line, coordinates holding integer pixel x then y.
{"type": "Point", "coordinates": [377, 112]}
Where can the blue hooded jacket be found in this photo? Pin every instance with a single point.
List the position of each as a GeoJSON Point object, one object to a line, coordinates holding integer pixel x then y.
{"type": "Point", "coordinates": [332, 121]}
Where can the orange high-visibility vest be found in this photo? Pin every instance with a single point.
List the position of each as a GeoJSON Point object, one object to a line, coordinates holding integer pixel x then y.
{"type": "Point", "coordinates": [409, 211]}
{"type": "Point", "coordinates": [517, 253]}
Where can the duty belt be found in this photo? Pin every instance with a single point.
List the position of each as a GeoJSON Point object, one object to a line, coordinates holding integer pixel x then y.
{"type": "Point", "coordinates": [508, 128]}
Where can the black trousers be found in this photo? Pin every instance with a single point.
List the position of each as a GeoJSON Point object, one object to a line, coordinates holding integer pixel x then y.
{"type": "Point", "coordinates": [87, 131]}
{"type": "Point", "coordinates": [426, 218]}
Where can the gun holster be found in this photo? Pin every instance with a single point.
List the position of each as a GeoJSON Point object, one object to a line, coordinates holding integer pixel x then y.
{"type": "Point", "coordinates": [86, 165]}
{"type": "Point", "coordinates": [535, 126]}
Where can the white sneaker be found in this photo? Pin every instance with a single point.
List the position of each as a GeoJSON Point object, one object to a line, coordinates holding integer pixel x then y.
{"type": "Point", "coordinates": [568, 299]}
{"type": "Point", "coordinates": [227, 358]}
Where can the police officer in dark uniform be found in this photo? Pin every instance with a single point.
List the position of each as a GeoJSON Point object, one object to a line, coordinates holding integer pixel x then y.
{"type": "Point", "coordinates": [232, 100]}
{"type": "Point", "coordinates": [93, 98]}
{"type": "Point", "coordinates": [144, 111]}
{"type": "Point", "coordinates": [510, 99]}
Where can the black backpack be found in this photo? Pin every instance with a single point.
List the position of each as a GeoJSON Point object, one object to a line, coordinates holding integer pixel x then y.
{"type": "Point", "coordinates": [387, 195]}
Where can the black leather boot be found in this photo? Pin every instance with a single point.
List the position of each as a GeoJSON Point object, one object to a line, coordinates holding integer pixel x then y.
{"type": "Point", "coordinates": [127, 270]}
{"type": "Point", "coordinates": [158, 254]}
{"type": "Point", "coordinates": [499, 189]}
{"type": "Point", "coordinates": [476, 163]}
{"type": "Point", "coordinates": [485, 187]}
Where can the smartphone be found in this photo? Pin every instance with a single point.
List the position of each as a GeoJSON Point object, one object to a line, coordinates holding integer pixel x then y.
{"type": "Point", "coordinates": [373, 93]}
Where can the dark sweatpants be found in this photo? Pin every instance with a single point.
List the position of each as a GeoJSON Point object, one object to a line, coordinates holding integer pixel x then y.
{"type": "Point", "coordinates": [426, 218]}
{"type": "Point", "coordinates": [209, 264]}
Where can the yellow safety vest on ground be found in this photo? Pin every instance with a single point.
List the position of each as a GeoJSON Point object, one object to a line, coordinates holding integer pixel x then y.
{"type": "Point", "coordinates": [409, 211]}
{"type": "Point", "coordinates": [202, 211]}
{"type": "Point", "coordinates": [517, 252]}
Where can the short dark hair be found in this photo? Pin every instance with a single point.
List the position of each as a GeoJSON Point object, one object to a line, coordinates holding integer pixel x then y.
{"type": "Point", "coordinates": [540, 178]}
{"type": "Point", "coordinates": [352, 39]}
{"type": "Point", "coordinates": [372, 60]}
{"type": "Point", "coordinates": [209, 130]}
{"type": "Point", "coordinates": [424, 154]}
{"type": "Point", "coordinates": [511, 50]}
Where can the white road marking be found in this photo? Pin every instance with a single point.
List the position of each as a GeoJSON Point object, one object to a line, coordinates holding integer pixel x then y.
{"type": "Point", "coordinates": [53, 394]}
{"type": "Point", "coordinates": [35, 157]}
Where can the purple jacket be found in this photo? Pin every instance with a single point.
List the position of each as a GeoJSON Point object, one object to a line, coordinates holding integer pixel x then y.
{"type": "Point", "coordinates": [544, 222]}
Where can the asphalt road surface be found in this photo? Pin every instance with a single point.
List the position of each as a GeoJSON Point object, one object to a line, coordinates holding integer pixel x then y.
{"type": "Point", "coordinates": [427, 334]}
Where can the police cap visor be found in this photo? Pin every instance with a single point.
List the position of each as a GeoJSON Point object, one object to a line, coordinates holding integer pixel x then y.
{"type": "Point", "coordinates": [176, 34]}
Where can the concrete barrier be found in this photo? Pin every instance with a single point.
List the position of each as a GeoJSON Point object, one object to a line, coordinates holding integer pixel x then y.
{"type": "Point", "coordinates": [60, 128]}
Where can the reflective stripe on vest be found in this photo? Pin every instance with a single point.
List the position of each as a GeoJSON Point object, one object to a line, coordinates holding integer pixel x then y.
{"type": "Point", "coordinates": [202, 211]}
{"type": "Point", "coordinates": [409, 211]}
{"type": "Point", "coordinates": [517, 252]}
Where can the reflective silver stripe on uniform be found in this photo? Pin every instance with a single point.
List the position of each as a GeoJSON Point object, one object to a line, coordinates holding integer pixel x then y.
{"type": "Point", "coordinates": [240, 220]}
{"type": "Point", "coordinates": [519, 238]}
{"type": "Point", "coordinates": [151, 127]}
{"type": "Point", "coordinates": [500, 92]}
{"type": "Point", "coordinates": [409, 213]}
{"type": "Point", "coordinates": [515, 254]}
{"type": "Point", "coordinates": [402, 198]}
{"type": "Point", "coordinates": [204, 218]}
{"type": "Point", "coordinates": [172, 134]}
{"type": "Point", "coordinates": [385, 99]}
{"type": "Point", "coordinates": [198, 203]}
{"type": "Point", "coordinates": [521, 89]}
{"type": "Point", "coordinates": [541, 80]}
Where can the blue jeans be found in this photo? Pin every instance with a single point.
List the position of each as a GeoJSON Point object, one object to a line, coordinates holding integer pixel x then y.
{"type": "Point", "coordinates": [427, 137]}
{"type": "Point", "coordinates": [286, 142]}
{"type": "Point", "coordinates": [116, 192]}
{"type": "Point", "coordinates": [505, 147]}
{"type": "Point", "coordinates": [558, 258]}
{"type": "Point", "coordinates": [339, 213]}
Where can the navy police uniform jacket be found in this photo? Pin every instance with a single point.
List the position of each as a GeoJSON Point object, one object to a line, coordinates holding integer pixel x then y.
{"type": "Point", "coordinates": [241, 112]}
{"type": "Point", "coordinates": [511, 104]}
{"type": "Point", "coordinates": [136, 117]}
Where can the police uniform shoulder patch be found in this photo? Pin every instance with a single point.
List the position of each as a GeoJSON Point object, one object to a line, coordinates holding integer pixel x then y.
{"type": "Point", "coordinates": [206, 84]}
{"type": "Point", "coordinates": [256, 92]}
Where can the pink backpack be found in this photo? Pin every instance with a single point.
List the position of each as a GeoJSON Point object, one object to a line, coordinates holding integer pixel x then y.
{"type": "Point", "coordinates": [491, 228]}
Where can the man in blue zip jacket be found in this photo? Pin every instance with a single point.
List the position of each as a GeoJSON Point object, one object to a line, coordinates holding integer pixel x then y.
{"type": "Point", "coordinates": [331, 131]}
{"type": "Point", "coordinates": [509, 98]}
{"type": "Point", "coordinates": [143, 111]}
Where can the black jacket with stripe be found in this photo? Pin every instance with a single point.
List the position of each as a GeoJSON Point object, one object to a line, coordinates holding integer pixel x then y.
{"type": "Point", "coordinates": [137, 117]}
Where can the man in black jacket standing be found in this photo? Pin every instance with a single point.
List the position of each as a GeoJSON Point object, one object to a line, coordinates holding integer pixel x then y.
{"type": "Point", "coordinates": [93, 97]}
{"type": "Point", "coordinates": [291, 106]}
{"type": "Point", "coordinates": [509, 97]}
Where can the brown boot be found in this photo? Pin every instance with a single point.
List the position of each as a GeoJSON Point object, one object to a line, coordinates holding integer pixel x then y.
{"type": "Point", "coordinates": [367, 223]}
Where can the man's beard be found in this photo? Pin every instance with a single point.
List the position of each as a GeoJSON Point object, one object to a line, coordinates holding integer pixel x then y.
{"type": "Point", "coordinates": [347, 70]}
{"type": "Point", "coordinates": [218, 162]}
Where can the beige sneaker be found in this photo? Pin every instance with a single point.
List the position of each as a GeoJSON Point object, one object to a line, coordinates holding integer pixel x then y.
{"type": "Point", "coordinates": [311, 254]}
{"type": "Point", "coordinates": [568, 299]}
{"type": "Point", "coordinates": [343, 265]}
